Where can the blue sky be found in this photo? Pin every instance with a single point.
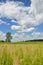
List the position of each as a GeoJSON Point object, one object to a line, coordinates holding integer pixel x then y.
{"type": "Point", "coordinates": [26, 2]}
{"type": "Point", "coordinates": [23, 18]}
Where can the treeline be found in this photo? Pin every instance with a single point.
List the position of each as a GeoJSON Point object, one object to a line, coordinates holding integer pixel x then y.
{"type": "Point", "coordinates": [35, 40]}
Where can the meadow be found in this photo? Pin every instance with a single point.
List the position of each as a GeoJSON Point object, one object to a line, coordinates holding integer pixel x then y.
{"type": "Point", "coordinates": [21, 53]}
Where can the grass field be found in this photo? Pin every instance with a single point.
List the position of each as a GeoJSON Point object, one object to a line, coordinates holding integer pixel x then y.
{"type": "Point", "coordinates": [21, 53]}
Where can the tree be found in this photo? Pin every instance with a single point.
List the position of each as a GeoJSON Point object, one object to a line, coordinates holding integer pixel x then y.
{"type": "Point", "coordinates": [8, 37]}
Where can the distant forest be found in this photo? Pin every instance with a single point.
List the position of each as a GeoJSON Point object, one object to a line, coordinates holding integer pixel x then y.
{"type": "Point", "coordinates": [34, 40]}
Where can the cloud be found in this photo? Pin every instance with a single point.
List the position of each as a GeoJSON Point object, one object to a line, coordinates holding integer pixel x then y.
{"type": "Point", "coordinates": [37, 35]}
{"type": "Point", "coordinates": [21, 29]}
{"type": "Point", "coordinates": [10, 9]}
{"type": "Point", "coordinates": [20, 37]}
{"type": "Point", "coordinates": [27, 17]}
{"type": "Point", "coordinates": [37, 10]}
{"type": "Point", "coordinates": [2, 36]}
{"type": "Point", "coordinates": [15, 27]}
{"type": "Point", "coordinates": [24, 37]}
{"type": "Point", "coordinates": [37, 5]}
{"type": "Point", "coordinates": [28, 29]}
{"type": "Point", "coordinates": [15, 37]}
{"type": "Point", "coordinates": [13, 21]}
{"type": "Point", "coordinates": [2, 22]}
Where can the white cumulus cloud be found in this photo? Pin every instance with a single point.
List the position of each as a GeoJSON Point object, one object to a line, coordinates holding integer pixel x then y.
{"type": "Point", "coordinates": [23, 14]}
{"type": "Point", "coordinates": [17, 28]}
{"type": "Point", "coordinates": [26, 17]}
{"type": "Point", "coordinates": [2, 36]}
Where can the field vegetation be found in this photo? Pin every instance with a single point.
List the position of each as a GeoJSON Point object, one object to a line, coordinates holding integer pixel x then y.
{"type": "Point", "coordinates": [21, 53]}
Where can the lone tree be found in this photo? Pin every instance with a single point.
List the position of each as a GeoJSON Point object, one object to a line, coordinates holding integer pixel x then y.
{"type": "Point", "coordinates": [8, 37]}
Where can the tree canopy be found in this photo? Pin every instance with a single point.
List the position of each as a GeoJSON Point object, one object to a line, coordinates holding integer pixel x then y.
{"type": "Point", "coordinates": [8, 37]}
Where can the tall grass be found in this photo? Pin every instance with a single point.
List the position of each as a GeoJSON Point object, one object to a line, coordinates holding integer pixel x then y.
{"type": "Point", "coordinates": [6, 59]}
{"type": "Point", "coordinates": [22, 54]}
